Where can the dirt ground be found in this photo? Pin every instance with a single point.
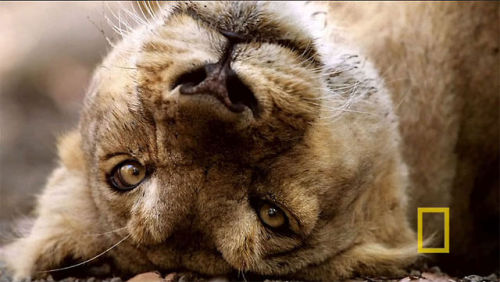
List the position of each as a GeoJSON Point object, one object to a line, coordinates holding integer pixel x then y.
{"type": "Point", "coordinates": [47, 53]}
{"type": "Point", "coordinates": [433, 274]}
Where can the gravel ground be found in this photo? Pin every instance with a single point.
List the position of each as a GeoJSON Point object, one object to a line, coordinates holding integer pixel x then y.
{"type": "Point", "coordinates": [432, 274]}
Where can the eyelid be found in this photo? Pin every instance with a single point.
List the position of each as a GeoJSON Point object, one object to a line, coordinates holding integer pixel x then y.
{"type": "Point", "coordinates": [109, 161]}
{"type": "Point", "coordinates": [112, 155]}
{"type": "Point", "coordinates": [293, 222]}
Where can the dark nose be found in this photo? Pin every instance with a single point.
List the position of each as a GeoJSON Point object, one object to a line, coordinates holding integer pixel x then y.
{"type": "Point", "coordinates": [220, 81]}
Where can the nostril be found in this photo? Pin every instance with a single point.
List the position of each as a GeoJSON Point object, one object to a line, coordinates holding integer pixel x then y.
{"type": "Point", "coordinates": [191, 78]}
{"type": "Point", "coordinates": [221, 82]}
{"type": "Point", "coordinates": [239, 93]}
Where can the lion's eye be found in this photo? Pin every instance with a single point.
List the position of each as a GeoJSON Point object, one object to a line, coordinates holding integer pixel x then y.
{"type": "Point", "coordinates": [272, 216]}
{"type": "Point", "coordinates": [127, 175]}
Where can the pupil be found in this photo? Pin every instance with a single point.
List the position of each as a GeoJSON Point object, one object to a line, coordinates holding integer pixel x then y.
{"type": "Point", "coordinates": [272, 212]}
{"type": "Point", "coordinates": [135, 171]}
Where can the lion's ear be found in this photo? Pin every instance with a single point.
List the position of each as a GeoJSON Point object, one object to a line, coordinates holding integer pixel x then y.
{"type": "Point", "coordinates": [70, 151]}
{"type": "Point", "coordinates": [65, 224]}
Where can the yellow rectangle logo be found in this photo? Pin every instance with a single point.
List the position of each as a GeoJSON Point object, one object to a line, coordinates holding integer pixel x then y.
{"type": "Point", "coordinates": [446, 248]}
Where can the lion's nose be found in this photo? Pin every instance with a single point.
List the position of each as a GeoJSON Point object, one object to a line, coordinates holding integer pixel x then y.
{"type": "Point", "coordinates": [220, 81]}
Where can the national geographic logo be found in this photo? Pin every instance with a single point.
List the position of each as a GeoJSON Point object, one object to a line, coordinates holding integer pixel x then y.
{"type": "Point", "coordinates": [446, 214]}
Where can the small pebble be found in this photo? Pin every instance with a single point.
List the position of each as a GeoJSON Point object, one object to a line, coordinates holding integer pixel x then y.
{"type": "Point", "coordinates": [170, 277]}
{"type": "Point", "coordinates": [147, 277]}
{"type": "Point", "coordinates": [416, 273]}
{"type": "Point", "coordinates": [477, 278]}
{"type": "Point", "coordinates": [435, 269]}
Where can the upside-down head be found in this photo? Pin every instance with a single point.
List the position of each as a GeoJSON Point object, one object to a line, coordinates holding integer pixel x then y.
{"type": "Point", "coordinates": [231, 136]}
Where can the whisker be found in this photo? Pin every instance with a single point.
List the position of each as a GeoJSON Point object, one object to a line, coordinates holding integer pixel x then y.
{"type": "Point", "coordinates": [115, 26]}
{"type": "Point", "coordinates": [105, 233]}
{"type": "Point", "coordinates": [141, 9]}
{"type": "Point", "coordinates": [87, 261]}
{"type": "Point", "coordinates": [151, 11]}
{"type": "Point", "coordinates": [123, 20]}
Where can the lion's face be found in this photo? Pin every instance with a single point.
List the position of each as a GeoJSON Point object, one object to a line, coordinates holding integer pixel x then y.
{"type": "Point", "coordinates": [247, 171]}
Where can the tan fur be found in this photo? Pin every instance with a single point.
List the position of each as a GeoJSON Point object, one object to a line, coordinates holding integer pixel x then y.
{"type": "Point", "coordinates": [440, 62]}
{"type": "Point", "coordinates": [331, 144]}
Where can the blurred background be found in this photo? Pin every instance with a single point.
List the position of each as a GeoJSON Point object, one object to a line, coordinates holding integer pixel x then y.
{"type": "Point", "coordinates": [47, 54]}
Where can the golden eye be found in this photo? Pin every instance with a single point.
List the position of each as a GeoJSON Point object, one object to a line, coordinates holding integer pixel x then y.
{"type": "Point", "coordinates": [272, 216]}
{"type": "Point", "coordinates": [127, 175]}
